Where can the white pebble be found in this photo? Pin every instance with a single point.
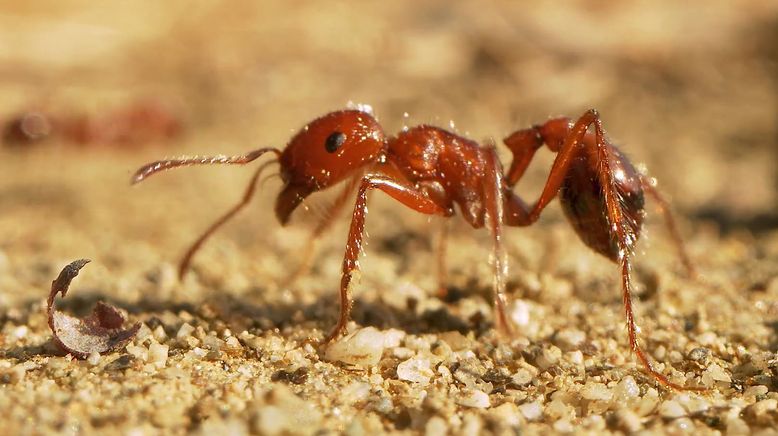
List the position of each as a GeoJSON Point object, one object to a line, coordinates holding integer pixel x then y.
{"type": "Point", "coordinates": [626, 389]}
{"type": "Point", "coordinates": [199, 352]}
{"type": "Point", "coordinates": [158, 354]}
{"type": "Point", "coordinates": [233, 342]}
{"type": "Point", "coordinates": [185, 331]}
{"type": "Point", "coordinates": [20, 332]}
{"type": "Point", "coordinates": [393, 338]}
{"type": "Point", "coordinates": [436, 426]}
{"type": "Point", "coordinates": [415, 369]}
{"type": "Point", "coordinates": [671, 409]}
{"type": "Point", "coordinates": [522, 377]}
{"type": "Point", "coordinates": [715, 373]}
{"type": "Point", "coordinates": [138, 352]}
{"type": "Point", "coordinates": [474, 398]}
{"type": "Point", "coordinates": [558, 409]}
{"type": "Point", "coordinates": [628, 420]}
{"type": "Point", "coordinates": [532, 411]}
{"type": "Point", "coordinates": [363, 347]}
{"type": "Point", "coordinates": [596, 392]}
{"type": "Point", "coordinates": [355, 392]}
{"type": "Point", "coordinates": [569, 339]}
{"type": "Point", "coordinates": [520, 313]}
{"type": "Point", "coordinates": [548, 357]}
{"type": "Point", "coordinates": [159, 334]}
{"type": "Point", "coordinates": [563, 426]}
{"type": "Point", "coordinates": [94, 358]}
{"type": "Point", "coordinates": [213, 343]}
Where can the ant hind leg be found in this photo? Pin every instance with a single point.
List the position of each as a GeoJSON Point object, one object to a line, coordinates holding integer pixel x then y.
{"type": "Point", "coordinates": [599, 152]}
{"type": "Point", "coordinates": [664, 208]}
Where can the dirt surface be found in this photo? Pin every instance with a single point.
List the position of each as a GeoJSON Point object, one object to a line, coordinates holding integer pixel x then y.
{"type": "Point", "coordinates": [689, 90]}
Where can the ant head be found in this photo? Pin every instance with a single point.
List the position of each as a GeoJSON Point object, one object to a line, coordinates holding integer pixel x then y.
{"type": "Point", "coordinates": [324, 152]}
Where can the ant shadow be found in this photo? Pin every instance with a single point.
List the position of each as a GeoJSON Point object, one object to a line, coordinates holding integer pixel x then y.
{"type": "Point", "coordinates": [238, 312]}
{"type": "Point", "coordinates": [773, 343]}
{"type": "Point", "coordinates": [727, 222]}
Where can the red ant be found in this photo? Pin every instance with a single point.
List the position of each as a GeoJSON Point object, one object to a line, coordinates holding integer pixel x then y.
{"type": "Point", "coordinates": [430, 170]}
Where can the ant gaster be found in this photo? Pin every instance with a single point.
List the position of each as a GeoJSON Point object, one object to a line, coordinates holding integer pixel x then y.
{"type": "Point", "coordinates": [430, 170]}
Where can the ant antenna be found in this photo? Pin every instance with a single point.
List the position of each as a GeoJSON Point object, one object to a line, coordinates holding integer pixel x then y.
{"type": "Point", "coordinates": [164, 165]}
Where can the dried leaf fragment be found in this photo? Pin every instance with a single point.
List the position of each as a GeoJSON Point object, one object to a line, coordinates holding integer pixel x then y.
{"type": "Point", "coordinates": [100, 332]}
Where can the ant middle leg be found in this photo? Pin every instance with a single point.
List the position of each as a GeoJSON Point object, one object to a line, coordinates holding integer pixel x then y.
{"type": "Point", "coordinates": [440, 252]}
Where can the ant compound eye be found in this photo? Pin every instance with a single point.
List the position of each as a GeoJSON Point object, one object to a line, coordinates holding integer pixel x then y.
{"type": "Point", "coordinates": [334, 142]}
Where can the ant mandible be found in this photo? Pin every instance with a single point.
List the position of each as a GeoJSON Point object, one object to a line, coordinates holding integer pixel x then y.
{"type": "Point", "coordinates": [429, 170]}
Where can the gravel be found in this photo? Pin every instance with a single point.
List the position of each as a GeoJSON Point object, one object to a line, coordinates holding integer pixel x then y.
{"type": "Point", "coordinates": [233, 347]}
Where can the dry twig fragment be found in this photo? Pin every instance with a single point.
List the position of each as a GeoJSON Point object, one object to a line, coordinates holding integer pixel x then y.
{"type": "Point", "coordinates": [101, 331]}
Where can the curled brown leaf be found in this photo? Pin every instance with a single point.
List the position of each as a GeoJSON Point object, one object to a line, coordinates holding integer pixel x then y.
{"type": "Point", "coordinates": [100, 332]}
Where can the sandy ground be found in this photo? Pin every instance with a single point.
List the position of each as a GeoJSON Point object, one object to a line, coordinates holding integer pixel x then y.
{"type": "Point", "coordinates": [691, 91]}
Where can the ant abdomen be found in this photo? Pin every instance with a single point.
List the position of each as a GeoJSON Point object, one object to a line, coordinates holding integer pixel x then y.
{"type": "Point", "coordinates": [584, 204]}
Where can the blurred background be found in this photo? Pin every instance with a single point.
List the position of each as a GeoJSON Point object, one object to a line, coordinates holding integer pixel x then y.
{"type": "Point", "coordinates": [690, 89]}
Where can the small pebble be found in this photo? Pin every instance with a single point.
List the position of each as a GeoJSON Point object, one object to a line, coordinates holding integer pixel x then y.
{"type": "Point", "coordinates": [557, 409]}
{"type": "Point", "coordinates": [158, 354]}
{"type": "Point", "coordinates": [548, 357]}
{"type": "Point", "coordinates": [699, 354]}
{"type": "Point", "coordinates": [596, 392]}
{"type": "Point", "coordinates": [415, 369]}
{"type": "Point", "coordinates": [520, 314]}
{"type": "Point", "coordinates": [626, 389]}
{"type": "Point", "coordinates": [507, 414]}
{"type": "Point", "coordinates": [671, 409]}
{"type": "Point", "coordinates": [436, 426]}
{"type": "Point", "coordinates": [569, 339]}
{"type": "Point", "coordinates": [138, 352]}
{"type": "Point", "coordinates": [393, 338]}
{"type": "Point", "coordinates": [563, 426]}
{"type": "Point", "coordinates": [363, 347]}
{"type": "Point", "coordinates": [522, 377]}
{"type": "Point", "coordinates": [94, 358]}
{"type": "Point", "coordinates": [532, 411]}
{"type": "Point", "coordinates": [715, 373]}
{"type": "Point", "coordinates": [628, 420]}
{"type": "Point", "coordinates": [474, 398]}
{"type": "Point", "coordinates": [755, 391]}
{"type": "Point", "coordinates": [355, 392]}
{"type": "Point", "coordinates": [185, 330]}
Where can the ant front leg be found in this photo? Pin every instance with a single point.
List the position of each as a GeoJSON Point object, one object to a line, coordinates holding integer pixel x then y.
{"type": "Point", "coordinates": [186, 261]}
{"type": "Point", "coordinates": [402, 192]}
{"type": "Point", "coordinates": [494, 206]}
